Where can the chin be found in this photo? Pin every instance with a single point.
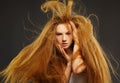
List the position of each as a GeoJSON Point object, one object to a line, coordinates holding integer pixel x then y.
{"type": "Point", "coordinates": [66, 47]}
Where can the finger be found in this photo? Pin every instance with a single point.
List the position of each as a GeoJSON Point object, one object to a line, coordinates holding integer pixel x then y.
{"type": "Point", "coordinates": [75, 37]}
{"type": "Point", "coordinates": [67, 57]}
{"type": "Point", "coordinates": [73, 26]}
{"type": "Point", "coordinates": [57, 45]}
{"type": "Point", "coordinates": [59, 48]}
{"type": "Point", "coordinates": [74, 29]}
{"type": "Point", "coordinates": [80, 68]}
{"type": "Point", "coordinates": [78, 65]}
{"type": "Point", "coordinates": [77, 61]}
{"type": "Point", "coordinates": [64, 54]}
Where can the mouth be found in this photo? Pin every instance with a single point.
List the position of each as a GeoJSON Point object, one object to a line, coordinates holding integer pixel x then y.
{"type": "Point", "coordinates": [64, 44]}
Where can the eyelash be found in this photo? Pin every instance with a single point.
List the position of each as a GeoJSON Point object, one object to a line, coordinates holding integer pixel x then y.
{"type": "Point", "coordinates": [61, 33]}
{"type": "Point", "coordinates": [68, 33]}
{"type": "Point", "coordinates": [58, 34]}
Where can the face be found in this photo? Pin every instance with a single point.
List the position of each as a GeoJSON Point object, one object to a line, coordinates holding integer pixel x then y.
{"type": "Point", "coordinates": [64, 35]}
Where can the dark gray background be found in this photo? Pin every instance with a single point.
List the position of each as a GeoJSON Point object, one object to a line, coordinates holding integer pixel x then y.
{"type": "Point", "coordinates": [14, 16]}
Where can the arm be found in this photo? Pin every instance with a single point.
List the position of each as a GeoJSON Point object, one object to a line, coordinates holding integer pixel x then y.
{"type": "Point", "coordinates": [68, 71]}
{"type": "Point", "coordinates": [68, 67]}
{"type": "Point", "coordinates": [78, 64]}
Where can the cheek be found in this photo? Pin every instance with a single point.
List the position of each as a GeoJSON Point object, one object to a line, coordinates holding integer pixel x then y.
{"type": "Point", "coordinates": [58, 39]}
{"type": "Point", "coordinates": [70, 39]}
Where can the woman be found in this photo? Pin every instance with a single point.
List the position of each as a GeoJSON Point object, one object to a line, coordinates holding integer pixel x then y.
{"type": "Point", "coordinates": [68, 44]}
{"type": "Point", "coordinates": [65, 51]}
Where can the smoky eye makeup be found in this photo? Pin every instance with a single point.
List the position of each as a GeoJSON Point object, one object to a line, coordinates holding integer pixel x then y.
{"type": "Point", "coordinates": [68, 33]}
{"type": "Point", "coordinates": [58, 33]}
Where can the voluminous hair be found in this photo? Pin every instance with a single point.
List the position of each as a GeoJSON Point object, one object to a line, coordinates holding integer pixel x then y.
{"type": "Point", "coordinates": [41, 62]}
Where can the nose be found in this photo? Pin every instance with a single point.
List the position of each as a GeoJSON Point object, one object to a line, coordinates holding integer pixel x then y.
{"type": "Point", "coordinates": [64, 38]}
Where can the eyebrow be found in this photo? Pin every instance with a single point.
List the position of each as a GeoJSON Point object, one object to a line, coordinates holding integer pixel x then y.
{"type": "Point", "coordinates": [57, 33]}
{"type": "Point", "coordinates": [66, 32]}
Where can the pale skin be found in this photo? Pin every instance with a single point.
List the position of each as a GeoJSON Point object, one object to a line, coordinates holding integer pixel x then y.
{"type": "Point", "coordinates": [66, 33]}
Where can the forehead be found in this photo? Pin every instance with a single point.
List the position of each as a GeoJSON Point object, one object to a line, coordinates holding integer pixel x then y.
{"type": "Point", "coordinates": [63, 27]}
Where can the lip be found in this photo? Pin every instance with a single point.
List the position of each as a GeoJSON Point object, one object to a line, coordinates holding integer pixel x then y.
{"type": "Point", "coordinates": [64, 44]}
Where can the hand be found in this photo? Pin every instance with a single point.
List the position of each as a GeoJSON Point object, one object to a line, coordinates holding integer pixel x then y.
{"type": "Point", "coordinates": [64, 54]}
{"type": "Point", "coordinates": [75, 37]}
{"type": "Point", "coordinates": [68, 58]}
{"type": "Point", "coordinates": [78, 64]}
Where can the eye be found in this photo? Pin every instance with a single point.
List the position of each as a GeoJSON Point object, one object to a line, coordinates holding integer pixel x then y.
{"type": "Point", "coordinates": [68, 33]}
{"type": "Point", "coordinates": [58, 33]}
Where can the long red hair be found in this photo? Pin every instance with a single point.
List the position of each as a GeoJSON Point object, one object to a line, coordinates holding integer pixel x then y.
{"type": "Point", "coordinates": [41, 62]}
